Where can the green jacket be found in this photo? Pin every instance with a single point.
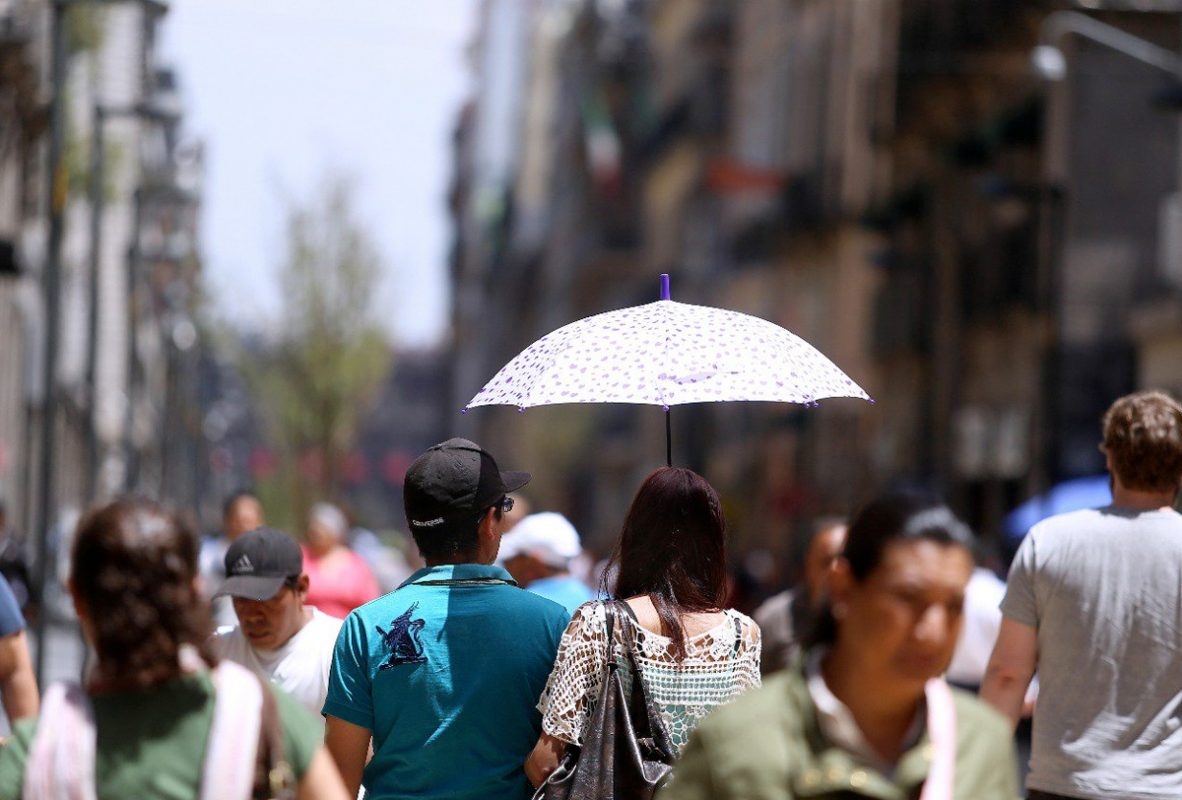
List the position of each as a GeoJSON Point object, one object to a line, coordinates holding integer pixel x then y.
{"type": "Point", "coordinates": [767, 745]}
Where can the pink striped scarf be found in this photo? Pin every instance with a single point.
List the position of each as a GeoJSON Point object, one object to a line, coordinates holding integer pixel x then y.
{"type": "Point", "coordinates": [942, 732]}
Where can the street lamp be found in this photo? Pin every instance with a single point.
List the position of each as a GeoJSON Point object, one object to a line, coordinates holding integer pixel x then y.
{"type": "Point", "coordinates": [148, 194]}
{"type": "Point", "coordinates": [1048, 60]}
{"type": "Point", "coordinates": [100, 115]}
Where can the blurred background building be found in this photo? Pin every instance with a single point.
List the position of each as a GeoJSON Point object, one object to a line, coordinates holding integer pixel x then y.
{"type": "Point", "coordinates": [115, 248]}
{"type": "Point", "coordinates": [991, 252]}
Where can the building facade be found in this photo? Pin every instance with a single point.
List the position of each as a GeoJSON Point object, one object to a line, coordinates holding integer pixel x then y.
{"type": "Point", "coordinates": [992, 256]}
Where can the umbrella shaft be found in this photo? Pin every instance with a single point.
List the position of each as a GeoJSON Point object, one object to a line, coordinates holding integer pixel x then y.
{"type": "Point", "coordinates": [668, 440]}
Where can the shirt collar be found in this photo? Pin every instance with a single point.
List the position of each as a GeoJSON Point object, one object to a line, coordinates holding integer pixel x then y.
{"type": "Point", "coordinates": [837, 722]}
{"type": "Point", "coordinates": [459, 572]}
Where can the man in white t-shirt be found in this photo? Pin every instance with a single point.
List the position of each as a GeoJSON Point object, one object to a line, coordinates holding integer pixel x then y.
{"type": "Point", "coordinates": [277, 636]}
{"type": "Point", "coordinates": [1092, 603]}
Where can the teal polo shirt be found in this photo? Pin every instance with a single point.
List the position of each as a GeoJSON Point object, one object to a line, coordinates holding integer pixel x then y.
{"type": "Point", "coordinates": [446, 672]}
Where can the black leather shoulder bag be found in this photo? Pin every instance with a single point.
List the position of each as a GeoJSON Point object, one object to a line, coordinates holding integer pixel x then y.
{"type": "Point", "coordinates": [626, 752]}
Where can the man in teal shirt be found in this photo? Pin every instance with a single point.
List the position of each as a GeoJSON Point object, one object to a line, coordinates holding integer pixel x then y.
{"type": "Point", "coordinates": [445, 672]}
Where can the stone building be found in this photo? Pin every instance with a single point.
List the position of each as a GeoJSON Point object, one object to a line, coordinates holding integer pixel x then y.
{"type": "Point", "coordinates": [991, 256]}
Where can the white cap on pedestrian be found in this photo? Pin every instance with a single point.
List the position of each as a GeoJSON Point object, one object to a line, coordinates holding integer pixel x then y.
{"type": "Point", "coordinates": [547, 536]}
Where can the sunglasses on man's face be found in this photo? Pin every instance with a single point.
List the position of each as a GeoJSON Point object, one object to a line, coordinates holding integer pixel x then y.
{"type": "Point", "coordinates": [505, 505]}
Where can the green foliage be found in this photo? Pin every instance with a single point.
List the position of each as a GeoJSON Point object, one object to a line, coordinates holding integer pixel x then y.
{"type": "Point", "coordinates": [316, 382]}
{"type": "Point", "coordinates": [85, 27]}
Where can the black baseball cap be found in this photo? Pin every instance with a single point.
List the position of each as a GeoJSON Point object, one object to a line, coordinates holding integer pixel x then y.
{"type": "Point", "coordinates": [259, 562]}
{"type": "Point", "coordinates": [453, 481]}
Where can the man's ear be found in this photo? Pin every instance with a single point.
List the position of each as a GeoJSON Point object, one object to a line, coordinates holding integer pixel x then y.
{"type": "Point", "coordinates": [840, 580]}
{"type": "Point", "coordinates": [488, 524]}
{"type": "Point", "coordinates": [76, 598]}
{"type": "Point", "coordinates": [302, 584]}
{"type": "Point", "coordinates": [488, 535]}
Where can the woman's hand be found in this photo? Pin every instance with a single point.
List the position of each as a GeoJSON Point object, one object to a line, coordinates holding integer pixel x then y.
{"type": "Point", "coordinates": [544, 759]}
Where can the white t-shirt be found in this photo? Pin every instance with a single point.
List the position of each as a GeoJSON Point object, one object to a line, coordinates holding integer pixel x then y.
{"type": "Point", "coordinates": [978, 633]}
{"type": "Point", "coordinates": [1103, 590]}
{"type": "Point", "coordinates": [300, 667]}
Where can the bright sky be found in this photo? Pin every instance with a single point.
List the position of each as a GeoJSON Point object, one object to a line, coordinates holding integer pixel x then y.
{"type": "Point", "coordinates": [282, 91]}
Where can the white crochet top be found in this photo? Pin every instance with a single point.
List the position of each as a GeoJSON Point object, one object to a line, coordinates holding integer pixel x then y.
{"type": "Point", "coordinates": [719, 664]}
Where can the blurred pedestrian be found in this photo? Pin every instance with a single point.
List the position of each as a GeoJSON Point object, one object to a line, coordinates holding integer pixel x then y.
{"type": "Point", "coordinates": [444, 672]}
{"type": "Point", "coordinates": [154, 721]}
{"type": "Point", "coordinates": [14, 561]}
{"type": "Point", "coordinates": [784, 618]}
{"type": "Point", "coordinates": [1092, 603]}
{"type": "Point", "coordinates": [241, 512]}
{"type": "Point", "coordinates": [692, 653]}
{"type": "Point", "coordinates": [862, 712]}
{"type": "Point", "coordinates": [339, 580]}
{"type": "Point", "coordinates": [18, 685]}
{"type": "Point", "coordinates": [388, 565]}
{"type": "Point", "coordinates": [538, 552]}
{"type": "Point", "coordinates": [978, 632]}
{"type": "Point", "coordinates": [278, 636]}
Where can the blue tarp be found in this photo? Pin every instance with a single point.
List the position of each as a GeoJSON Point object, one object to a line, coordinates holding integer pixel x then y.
{"type": "Point", "coordinates": [1072, 495]}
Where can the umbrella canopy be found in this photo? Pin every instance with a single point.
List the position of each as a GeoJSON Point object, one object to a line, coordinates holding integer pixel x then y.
{"type": "Point", "coordinates": [1076, 494]}
{"type": "Point", "coordinates": [667, 353]}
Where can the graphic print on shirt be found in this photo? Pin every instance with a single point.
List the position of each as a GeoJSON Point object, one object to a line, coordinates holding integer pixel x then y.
{"type": "Point", "coordinates": [403, 640]}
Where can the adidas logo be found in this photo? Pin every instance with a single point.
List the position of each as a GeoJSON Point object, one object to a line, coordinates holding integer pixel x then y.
{"type": "Point", "coordinates": [242, 565]}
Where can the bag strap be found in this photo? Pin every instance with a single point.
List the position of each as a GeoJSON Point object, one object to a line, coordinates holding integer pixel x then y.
{"type": "Point", "coordinates": [942, 732]}
{"type": "Point", "coordinates": [274, 777]}
{"type": "Point", "coordinates": [61, 758]}
{"type": "Point", "coordinates": [232, 747]}
{"type": "Point", "coordinates": [609, 620]}
{"type": "Point", "coordinates": [645, 718]}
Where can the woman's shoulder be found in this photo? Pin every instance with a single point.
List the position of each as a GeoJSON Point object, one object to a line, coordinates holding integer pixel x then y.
{"type": "Point", "coordinates": [749, 628]}
{"type": "Point", "coordinates": [744, 620]}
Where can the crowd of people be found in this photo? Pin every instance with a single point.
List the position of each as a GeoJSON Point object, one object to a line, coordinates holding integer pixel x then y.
{"type": "Point", "coordinates": [252, 665]}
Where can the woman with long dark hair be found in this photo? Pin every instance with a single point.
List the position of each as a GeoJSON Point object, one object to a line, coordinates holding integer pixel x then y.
{"type": "Point", "coordinates": [865, 713]}
{"type": "Point", "coordinates": [693, 654]}
{"type": "Point", "coordinates": [157, 718]}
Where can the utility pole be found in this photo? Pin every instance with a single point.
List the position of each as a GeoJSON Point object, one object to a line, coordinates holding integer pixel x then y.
{"type": "Point", "coordinates": [56, 200]}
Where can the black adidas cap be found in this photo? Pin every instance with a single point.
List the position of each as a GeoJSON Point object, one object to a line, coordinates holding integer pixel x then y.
{"type": "Point", "coordinates": [258, 563]}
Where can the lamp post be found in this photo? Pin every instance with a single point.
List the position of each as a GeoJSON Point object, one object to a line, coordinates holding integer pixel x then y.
{"type": "Point", "coordinates": [99, 117]}
{"type": "Point", "coordinates": [1048, 58]}
{"type": "Point", "coordinates": [146, 198]}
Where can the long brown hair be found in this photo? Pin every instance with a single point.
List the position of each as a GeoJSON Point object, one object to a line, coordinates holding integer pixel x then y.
{"type": "Point", "coordinates": [672, 548]}
{"type": "Point", "coordinates": [134, 568]}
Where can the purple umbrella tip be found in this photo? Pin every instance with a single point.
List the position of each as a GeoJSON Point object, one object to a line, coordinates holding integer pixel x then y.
{"type": "Point", "coordinates": [464, 410]}
{"type": "Point", "coordinates": [665, 286]}
{"type": "Point", "coordinates": [521, 409]}
{"type": "Point", "coordinates": [666, 408]}
{"type": "Point", "coordinates": [871, 399]}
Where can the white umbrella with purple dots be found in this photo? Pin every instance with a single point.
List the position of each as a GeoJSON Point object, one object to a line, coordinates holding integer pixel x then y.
{"type": "Point", "coordinates": [667, 353]}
